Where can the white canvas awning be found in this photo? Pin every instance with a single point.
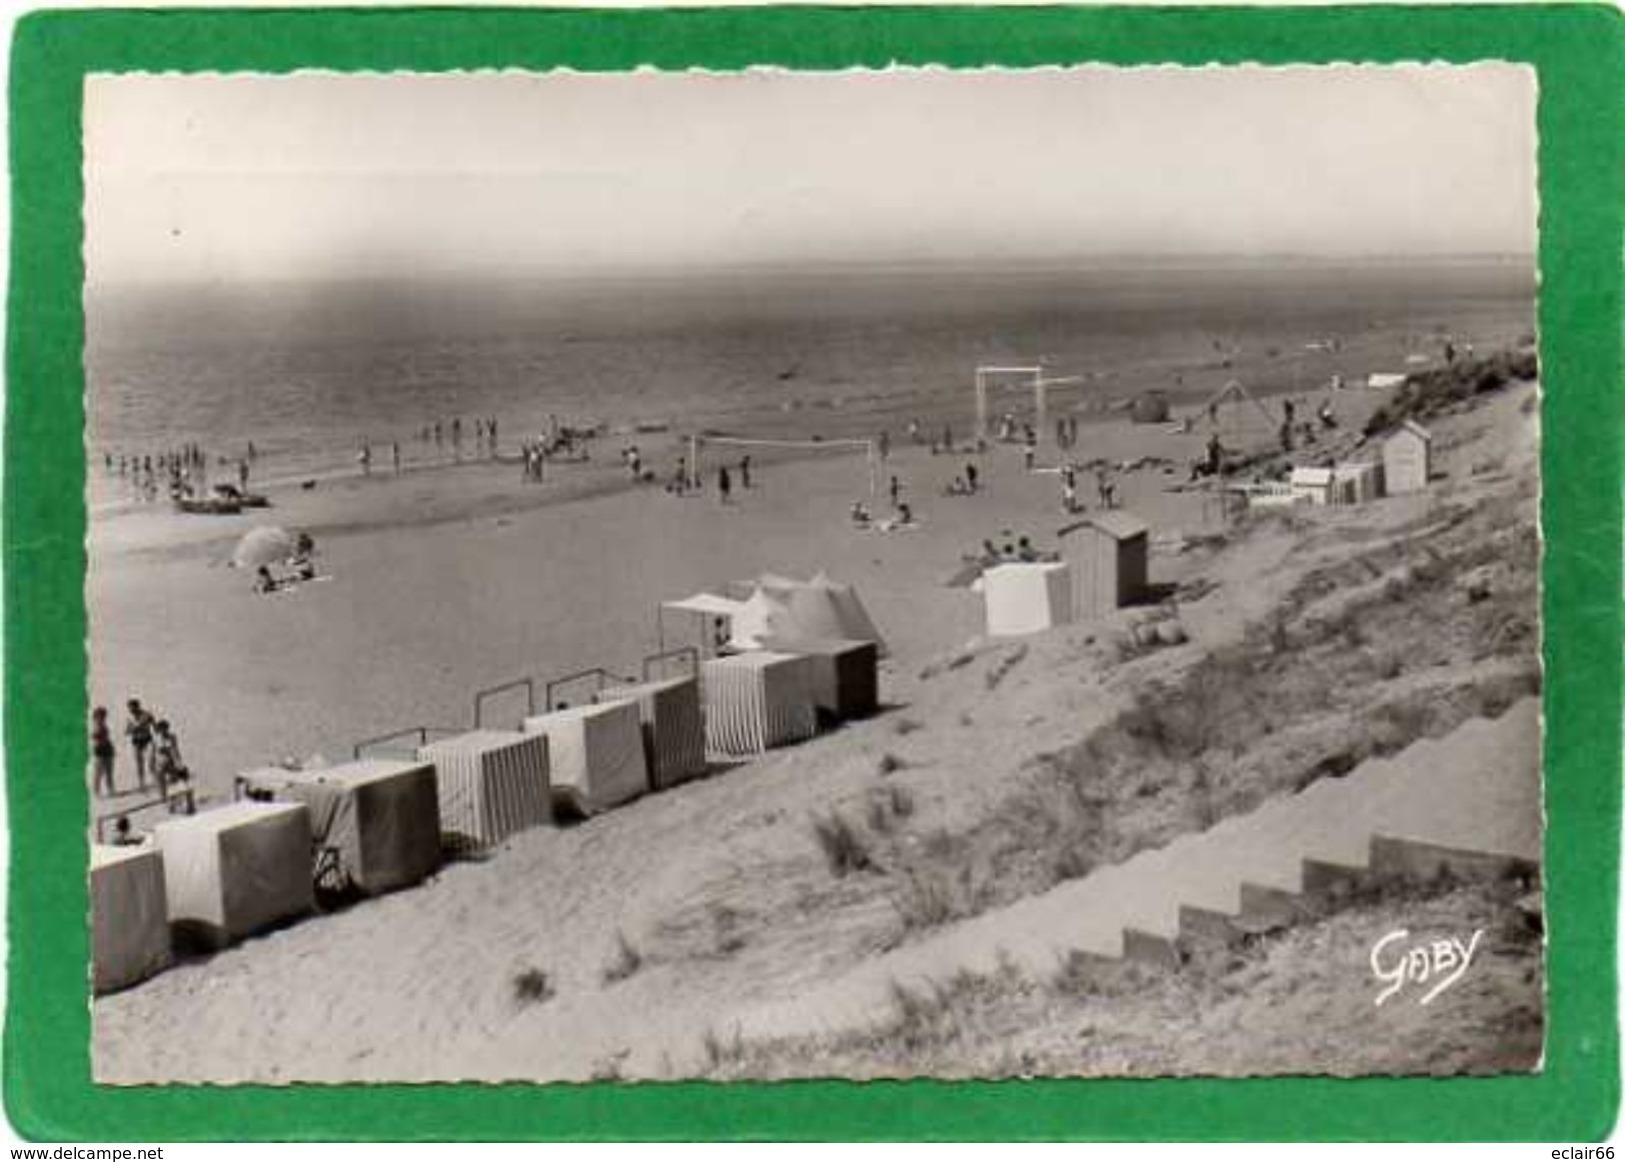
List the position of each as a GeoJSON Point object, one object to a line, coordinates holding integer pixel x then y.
{"type": "Point", "coordinates": [708, 604]}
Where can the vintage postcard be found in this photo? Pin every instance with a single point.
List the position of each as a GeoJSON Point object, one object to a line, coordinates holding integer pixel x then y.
{"type": "Point", "coordinates": [598, 550]}
{"type": "Point", "coordinates": [908, 573]}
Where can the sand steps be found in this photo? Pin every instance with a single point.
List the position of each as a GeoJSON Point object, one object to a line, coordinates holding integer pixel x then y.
{"type": "Point", "coordinates": [1470, 801]}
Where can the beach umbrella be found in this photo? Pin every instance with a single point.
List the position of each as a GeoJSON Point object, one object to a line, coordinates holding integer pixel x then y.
{"type": "Point", "coordinates": [263, 546]}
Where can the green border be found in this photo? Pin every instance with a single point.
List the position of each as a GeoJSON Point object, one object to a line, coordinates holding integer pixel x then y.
{"type": "Point", "coordinates": [1579, 53]}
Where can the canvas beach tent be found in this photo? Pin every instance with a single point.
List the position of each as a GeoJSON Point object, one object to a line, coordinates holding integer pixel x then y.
{"type": "Point", "coordinates": [236, 870]}
{"type": "Point", "coordinates": [819, 608]}
{"type": "Point", "coordinates": [759, 615]}
{"type": "Point", "coordinates": [1027, 597]}
{"type": "Point", "coordinates": [490, 784]}
{"type": "Point", "coordinates": [672, 726]}
{"type": "Point", "coordinates": [375, 823]}
{"type": "Point", "coordinates": [595, 755]}
{"type": "Point", "coordinates": [756, 701]}
{"type": "Point", "coordinates": [844, 673]}
{"type": "Point", "coordinates": [693, 619]}
{"type": "Point", "coordinates": [129, 916]}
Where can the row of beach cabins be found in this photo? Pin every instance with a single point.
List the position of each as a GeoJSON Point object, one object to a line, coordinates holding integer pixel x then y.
{"type": "Point", "coordinates": [1104, 558]}
{"type": "Point", "coordinates": [797, 656]}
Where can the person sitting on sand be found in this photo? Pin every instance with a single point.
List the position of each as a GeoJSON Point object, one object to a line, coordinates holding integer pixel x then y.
{"type": "Point", "coordinates": [860, 514]}
{"type": "Point", "coordinates": [122, 835]}
{"type": "Point", "coordinates": [265, 581]}
{"type": "Point", "coordinates": [1025, 550]}
{"type": "Point", "coordinates": [905, 514]}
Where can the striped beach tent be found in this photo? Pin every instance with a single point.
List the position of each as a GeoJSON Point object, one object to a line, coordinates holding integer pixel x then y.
{"type": "Point", "coordinates": [491, 784]}
{"type": "Point", "coordinates": [673, 727]}
{"type": "Point", "coordinates": [757, 700]}
{"type": "Point", "coordinates": [129, 919]}
{"type": "Point", "coordinates": [595, 755]}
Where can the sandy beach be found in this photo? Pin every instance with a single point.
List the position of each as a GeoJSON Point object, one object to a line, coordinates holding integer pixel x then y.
{"type": "Point", "coordinates": [446, 582]}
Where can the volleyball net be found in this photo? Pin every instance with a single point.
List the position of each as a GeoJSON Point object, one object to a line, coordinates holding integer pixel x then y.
{"type": "Point", "coordinates": [698, 444]}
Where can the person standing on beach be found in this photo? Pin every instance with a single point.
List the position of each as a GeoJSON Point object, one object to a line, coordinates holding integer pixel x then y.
{"type": "Point", "coordinates": [885, 446]}
{"type": "Point", "coordinates": [364, 458]}
{"type": "Point", "coordinates": [102, 752]}
{"type": "Point", "coordinates": [167, 766]}
{"type": "Point", "coordinates": [744, 472]}
{"type": "Point", "coordinates": [395, 455]}
{"type": "Point", "coordinates": [724, 485]}
{"type": "Point", "coordinates": [1028, 451]}
{"type": "Point", "coordinates": [1069, 490]}
{"type": "Point", "coordinates": [896, 490]}
{"type": "Point", "coordinates": [970, 476]}
{"type": "Point", "coordinates": [138, 729]}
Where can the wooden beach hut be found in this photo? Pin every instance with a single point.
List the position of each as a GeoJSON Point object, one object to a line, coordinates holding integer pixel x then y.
{"type": "Point", "coordinates": [1110, 554]}
{"type": "Point", "coordinates": [375, 823]}
{"type": "Point", "coordinates": [673, 727]}
{"type": "Point", "coordinates": [758, 700]}
{"type": "Point", "coordinates": [595, 755]}
{"type": "Point", "coordinates": [1407, 459]}
{"type": "Point", "coordinates": [236, 870]}
{"type": "Point", "coordinates": [490, 784]}
{"type": "Point", "coordinates": [845, 673]}
{"type": "Point", "coordinates": [129, 917]}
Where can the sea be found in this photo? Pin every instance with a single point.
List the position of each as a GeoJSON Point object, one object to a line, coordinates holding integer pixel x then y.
{"type": "Point", "coordinates": [312, 372]}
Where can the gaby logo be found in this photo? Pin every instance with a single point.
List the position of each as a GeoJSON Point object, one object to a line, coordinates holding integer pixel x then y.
{"type": "Point", "coordinates": [1443, 962]}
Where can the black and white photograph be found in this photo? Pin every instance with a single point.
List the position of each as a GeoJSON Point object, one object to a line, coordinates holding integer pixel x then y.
{"type": "Point", "coordinates": [916, 572]}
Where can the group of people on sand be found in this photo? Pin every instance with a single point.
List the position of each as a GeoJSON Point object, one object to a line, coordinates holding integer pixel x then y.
{"type": "Point", "coordinates": [967, 483]}
{"type": "Point", "coordinates": [1021, 549]}
{"type": "Point", "coordinates": [156, 750]}
{"type": "Point", "coordinates": [179, 471]}
{"type": "Point", "coordinates": [300, 565]}
{"type": "Point", "coordinates": [1105, 488]}
{"type": "Point", "coordinates": [444, 432]}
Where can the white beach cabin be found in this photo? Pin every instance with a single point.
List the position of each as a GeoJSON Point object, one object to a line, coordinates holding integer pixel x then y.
{"type": "Point", "coordinates": [1027, 597]}
{"type": "Point", "coordinates": [129, 917]}
{"type": "Point", "coordinates": [1312, 484]}
{"type": "Point", "coordinates": [595, 755]}
{"type": "Point", "coordinates": [236, 870]}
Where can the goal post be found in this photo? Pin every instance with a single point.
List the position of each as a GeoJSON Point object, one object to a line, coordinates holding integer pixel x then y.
{"type": "Point", "coordinates": [1033, 375]}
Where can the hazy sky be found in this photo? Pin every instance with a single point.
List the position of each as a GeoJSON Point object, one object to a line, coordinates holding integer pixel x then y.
{"type": "Point", "coordinates": [327, 175]}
